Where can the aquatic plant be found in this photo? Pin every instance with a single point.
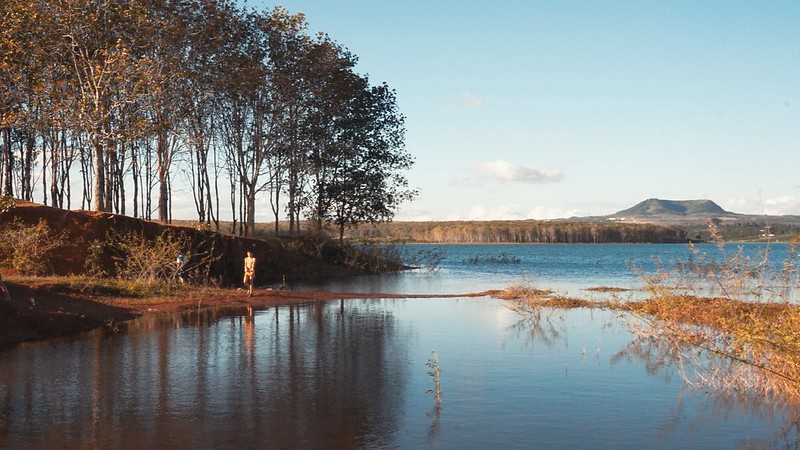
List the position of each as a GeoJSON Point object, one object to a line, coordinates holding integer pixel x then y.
{"type": "Point", "coordinates": [435, 373]}
{"type": "Point", "coordinates": [528, 300]}
{"type": "Point", "coordinates": [428, 259]}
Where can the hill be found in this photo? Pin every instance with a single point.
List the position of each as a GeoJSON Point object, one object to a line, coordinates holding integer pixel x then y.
{"type": "Point", "coordinates": [655, 207]}
{"type": "Point", "coordinates": [694, 217]}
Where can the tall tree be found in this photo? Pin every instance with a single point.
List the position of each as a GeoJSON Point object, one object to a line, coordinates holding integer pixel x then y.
{"type": "Point", "coordinates": [120, 86]}
{"type": "Point", "coordinates": [288, 46]}
{"type": "Point", "coordinates": [243, 100]}
{"type": "Point", "coordinates": [20, 57]}
{"type": "Point", "coordinates": [332, 86]}
{"type": "Point", "coordinates": [370, 183]}
{"type": "Point", "coordinates": [95, 40]}
{"type": "Point", "coordinates": [165, 44]}
{"type": "Point", "coordinates": [202, 85]}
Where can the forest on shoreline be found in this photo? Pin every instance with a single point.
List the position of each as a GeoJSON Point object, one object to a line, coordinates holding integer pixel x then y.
{"type": "Point", "coordinates": [519, 232]}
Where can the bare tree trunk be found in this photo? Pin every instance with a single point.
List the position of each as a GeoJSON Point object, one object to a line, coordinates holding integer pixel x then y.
{"type": "Point", "coordinates": [27, 167]}
{"type": "Point", "coordinates": [55, 164]}
{"type": "Point", "coordinates": [99, 174]}
{"type": "Point", "coordinates": [216, 191]}
{"type": "Point", "coordinates": [136, 174]}
{"type": "Point", "coordinates": [86, 172]}
{"type": "Point", "coordinates": [8, 178]}
{"type": "Point", "coordinates": [162, 151]}
{"type": "Point", "coordinates": [250, 213]}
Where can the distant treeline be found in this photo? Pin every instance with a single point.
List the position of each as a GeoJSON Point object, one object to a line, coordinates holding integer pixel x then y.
{"type": "Point", "coordinates": [520, 232]}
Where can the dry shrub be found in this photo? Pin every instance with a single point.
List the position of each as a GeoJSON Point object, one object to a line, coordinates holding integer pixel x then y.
{"type": "Point", "coordinates": [530, 301]}
{"type": "Point", "coordinates": [27, 248]}
{"type": "Point", "coordinates": [735, 310]}
{"type": "Point", "coordinates": [143, 260]}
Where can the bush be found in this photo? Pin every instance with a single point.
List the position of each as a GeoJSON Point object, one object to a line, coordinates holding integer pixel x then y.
{"type": "Point", "coordinates": [140, 259]}
{"type": "Point", "coordinates": [27, 248]}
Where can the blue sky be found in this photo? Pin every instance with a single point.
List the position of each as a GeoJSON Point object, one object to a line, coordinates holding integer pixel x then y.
{"type": "Point", "coordinates": [538, 110]}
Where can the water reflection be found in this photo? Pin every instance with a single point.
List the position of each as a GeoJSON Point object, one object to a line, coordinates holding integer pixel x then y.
{"type": "Point", "coordinates": [700, 406]}
{"type": "Point", "coordinates": [351, 374]}
{"type": "Point", "coordinates": [543, 326]}
{"type": "Point", "coordinates": [210, 380]}
{"type": "Point", "coordinates": [720, 385]}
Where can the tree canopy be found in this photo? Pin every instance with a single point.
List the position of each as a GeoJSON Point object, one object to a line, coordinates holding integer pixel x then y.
{"type": "Point", "coordinates": [136, 97]}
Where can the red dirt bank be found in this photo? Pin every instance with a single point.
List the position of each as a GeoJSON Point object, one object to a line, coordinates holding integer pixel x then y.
{"type": "Point", "coordinates": [44, 308]}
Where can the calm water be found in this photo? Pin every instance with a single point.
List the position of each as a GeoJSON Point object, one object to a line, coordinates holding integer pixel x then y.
{"type": "Point", "coordinates": [569, 269]}
{"type": "Point", "coordinates": [353, 374]}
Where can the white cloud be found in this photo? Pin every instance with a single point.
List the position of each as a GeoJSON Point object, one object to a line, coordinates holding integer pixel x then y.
{"type": "Point", "coordinates": [467, 101]}
{"type": "Point", "coordinates": [738, 205]}
{"type": "Point", "coordinates": [503, 171]}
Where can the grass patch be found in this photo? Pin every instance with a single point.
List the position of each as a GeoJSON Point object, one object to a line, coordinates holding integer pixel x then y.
{"type": "Point", "coordinates": [528, 300]}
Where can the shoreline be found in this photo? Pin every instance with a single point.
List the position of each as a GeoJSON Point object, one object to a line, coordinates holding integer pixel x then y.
{"type": "Point", "coordinates": [47, 310]}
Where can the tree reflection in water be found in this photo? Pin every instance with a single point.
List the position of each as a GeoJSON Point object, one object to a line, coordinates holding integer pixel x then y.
{"type": "Point", "coordinates": [316, 375]}
{"type": "Point", "coordinates": [541, 325]}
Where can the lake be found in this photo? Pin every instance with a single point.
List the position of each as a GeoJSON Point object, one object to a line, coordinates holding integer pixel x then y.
{"type": "Point", "coordinates": [355, 373]}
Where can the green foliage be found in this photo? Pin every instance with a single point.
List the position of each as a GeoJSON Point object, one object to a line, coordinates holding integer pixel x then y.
{"type": "Point", "coordinates": [149, 82]}
{"type": "Point", "coordinates": [27, 248]}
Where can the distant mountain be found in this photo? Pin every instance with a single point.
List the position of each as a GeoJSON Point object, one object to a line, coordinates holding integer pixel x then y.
{"type": "Point", "coordinates": [655, 207]}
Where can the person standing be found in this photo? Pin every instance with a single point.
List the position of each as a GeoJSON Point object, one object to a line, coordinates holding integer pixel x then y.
{"type": "Point", "coordinates": [249, 272]}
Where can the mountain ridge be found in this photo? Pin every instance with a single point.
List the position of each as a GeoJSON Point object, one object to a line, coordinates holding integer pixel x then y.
{"type": "Point", "coordinates": [660, 207]}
